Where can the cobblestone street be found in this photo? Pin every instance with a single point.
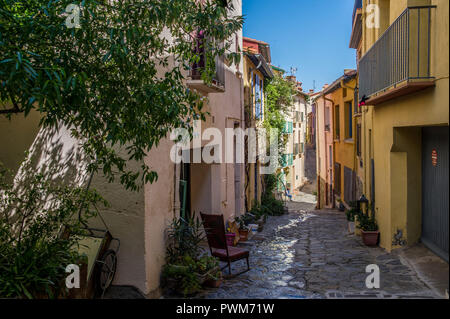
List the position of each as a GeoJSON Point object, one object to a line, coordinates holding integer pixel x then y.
{"type": "Point", "coordinates": [309, 254]}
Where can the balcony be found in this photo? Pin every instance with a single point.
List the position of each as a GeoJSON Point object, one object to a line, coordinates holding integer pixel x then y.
{"type": "Point", "coordinates": [196, 80]}
{"type": "Point", "coordinates": [399, 62]}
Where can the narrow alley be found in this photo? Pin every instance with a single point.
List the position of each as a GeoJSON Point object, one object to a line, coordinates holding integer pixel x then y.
{"type": "Point", "coordinates": [309, 254]}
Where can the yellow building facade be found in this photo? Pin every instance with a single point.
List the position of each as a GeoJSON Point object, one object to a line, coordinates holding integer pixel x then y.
{"type": "Point", "coordinates": [403, 64]}
{"type": "Point", "coordinates": [256, 69]}
{"type": "Point", "coordinates": [342, 95]}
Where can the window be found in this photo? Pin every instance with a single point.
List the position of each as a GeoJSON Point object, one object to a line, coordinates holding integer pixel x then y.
{"type": "Point", "coordinates": [358, 140]}
{"type": "Point", "coordinates": [348, 120]}
{"type": "Point", "coordinates": [331, 155]}
{"type": "Point", "coordinates": [337, 123]}
{"type": "Point", "coordinates": [345, 92]}
{"type": "Point", "coordinates": [258, 97]}
{"type": "Point", "coordinates": [337, 179]}
{"type": "Point", "coordinates": [327, 119]}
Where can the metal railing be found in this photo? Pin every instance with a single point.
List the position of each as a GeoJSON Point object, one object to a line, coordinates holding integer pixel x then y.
{"type": "Point", "coordinates": [401, 54]}
{"type": "Point", "coordinates": [197, 70]}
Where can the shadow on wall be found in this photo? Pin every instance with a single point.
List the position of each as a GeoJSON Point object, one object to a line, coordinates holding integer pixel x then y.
{"type": "Point", "coordinates": [57, 156]}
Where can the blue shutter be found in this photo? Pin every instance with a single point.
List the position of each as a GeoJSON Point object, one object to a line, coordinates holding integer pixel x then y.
{"type": "Point", "coordinates": [257, 98]}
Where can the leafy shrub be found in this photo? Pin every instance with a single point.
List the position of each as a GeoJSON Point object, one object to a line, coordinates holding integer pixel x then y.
{"type": "Point", "coordinates": [185, 262]}
{"type": "Point", "coordinates": [33, 252]}
{"type": "Point", "coordinates": [352, 213]}
{"type": "Point", "coordinates": [184, 237]}
{"type": "Point", "coordinates": [367, 223]}
{"type": "Point", "coordinates": [269, 206]}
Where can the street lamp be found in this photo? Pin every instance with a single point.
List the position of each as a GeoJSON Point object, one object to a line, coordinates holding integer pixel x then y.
{"type": "Point", "coordinates": [363, 204]}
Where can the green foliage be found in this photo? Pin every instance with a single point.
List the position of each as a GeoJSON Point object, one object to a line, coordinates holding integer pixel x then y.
{"type": "Point", "coordinates": [280, 98]}
{"type": "Point", "coordinates": [245, 220]}
{"type": "Point", "coordinates": [184, 275]}
{"type": "Point", "coordinates": [189, 274]}
{"type": "Point", "coordinates": [118, 81]}
{"type": "Point", "coordinates": [269, 204]}
{"type": "Point", "coordinates": [186, 265]}
{"type": "Point", "coordinates": [367, 223]}
{"type": "Point", "coordinates": [274, 206]}
{"type": "Point", "coordinates": [33, 254]}
{"type": "Point", "coordinates": [184, 237]}
{"type": "Point", "coordinates": [209, 265]}
{"type": "Point", "coordinates": [352, 213]}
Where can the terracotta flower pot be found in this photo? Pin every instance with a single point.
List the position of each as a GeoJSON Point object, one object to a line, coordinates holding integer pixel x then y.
{"type": "Point", "coordinates": [370, 238]}
{"type": "Point", "coordinates": [210, 283]}
{"type": "Point", "coordinates": [243, 234]}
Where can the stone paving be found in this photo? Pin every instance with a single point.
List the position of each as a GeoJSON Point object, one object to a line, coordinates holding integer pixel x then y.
{"type": "Point", "coordinates": [309, 254]}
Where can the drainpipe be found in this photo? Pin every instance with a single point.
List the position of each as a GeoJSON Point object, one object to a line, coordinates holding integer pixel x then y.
{"type": "Point", "coordinates": [333, 148]}
{"type": "Point", "coordinates": [317, 156]}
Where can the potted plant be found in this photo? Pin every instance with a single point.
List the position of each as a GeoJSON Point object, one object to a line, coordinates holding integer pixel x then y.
{"type": "Point", "coordinates": [351, 217]}
{"type": "Point", "coordinates": [184, 272]}
{"type": "Point", "coordinates": [243, 222]}
{"type": "Point", "coordinates": [243, 232]}
{"type": "Point", "coordinates": [213, 277]}
{"type": "Point", "coordinates": [341, 206]}
{"type": "Point", "coordinates": [369, 230]}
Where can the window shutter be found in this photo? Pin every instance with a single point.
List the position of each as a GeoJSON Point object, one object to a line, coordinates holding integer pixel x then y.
{"type": "Point", "coordinates": [257, 98]}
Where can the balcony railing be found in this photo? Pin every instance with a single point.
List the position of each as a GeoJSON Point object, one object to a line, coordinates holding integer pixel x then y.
{"type": "Point", "coordinates": [196, 71]}
{"type": "Point", "coordinates": [400, 56]}
{"type": "Point", "coordinates": [218, 81]}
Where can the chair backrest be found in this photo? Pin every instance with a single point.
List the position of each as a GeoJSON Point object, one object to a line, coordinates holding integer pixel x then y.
{"type": "Point", "coordinates": [215, 231]}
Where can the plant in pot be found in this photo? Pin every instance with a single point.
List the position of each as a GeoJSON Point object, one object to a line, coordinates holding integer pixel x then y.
{"type": "Point", "coordinates": [260, 213]}
{"type": "Point", "coordinates": [341, 206]}
{"type": "Point", "coordinates": [209, 266]}
{"type": "Point", "coordinates": [352, 215]}
{"type": "Point", "coordinates": [369, 229]}
{"type": "Point", "coordinates": [243, 228]}
{"type": "Point", "coordinates": [180, 274]}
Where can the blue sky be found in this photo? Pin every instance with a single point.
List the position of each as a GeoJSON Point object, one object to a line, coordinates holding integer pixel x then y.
{"type": "Point", "coordinates": [311, 35]}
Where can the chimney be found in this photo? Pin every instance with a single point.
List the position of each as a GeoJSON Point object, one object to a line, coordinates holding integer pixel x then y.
{"type": "Point", "coordinates": [291, 78]}
{"type": "Point", "coordinates": [325, 86]}
{"type": "Point", "coordinates": [311, 91]}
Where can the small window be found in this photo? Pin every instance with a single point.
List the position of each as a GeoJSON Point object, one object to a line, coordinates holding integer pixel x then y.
{"type": "Point", "coordinates": [337, 124]}
{"type": "Point", "coordinates": [348, 120]}
{"type": "Point", "coordinates": [358, 140]}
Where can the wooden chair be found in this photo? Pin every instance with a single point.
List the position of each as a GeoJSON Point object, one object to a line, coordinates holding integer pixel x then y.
{"type": "Point", "coordinates": [215, 233]}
